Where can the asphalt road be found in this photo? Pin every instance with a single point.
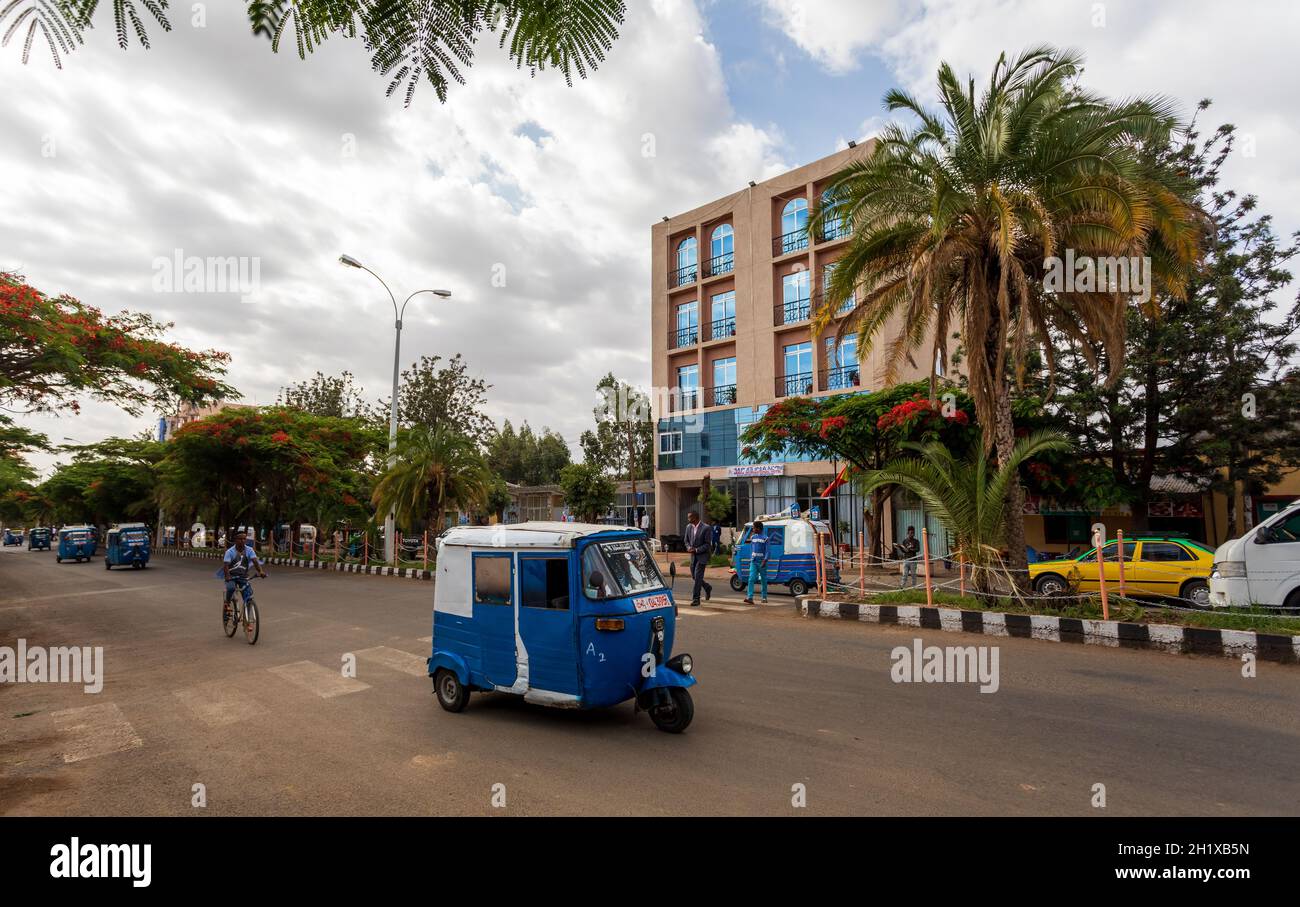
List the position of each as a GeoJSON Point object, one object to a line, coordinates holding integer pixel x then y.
{"type": "Point", "coordinates": [275, 728]}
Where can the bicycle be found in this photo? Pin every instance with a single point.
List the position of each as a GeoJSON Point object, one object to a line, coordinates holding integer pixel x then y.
{"type": "Point", "coordinates": [232, 617]}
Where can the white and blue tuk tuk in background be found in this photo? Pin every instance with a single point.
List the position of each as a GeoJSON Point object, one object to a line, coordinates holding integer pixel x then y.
{"type": "Point", "coordinates": [564, 614]}
{"type": "Point", "coordinates": [77, 543]}
{"type": "Point", "coordinates": [127, 545]}
{"type": "Point", "coordinates": [791, 553]}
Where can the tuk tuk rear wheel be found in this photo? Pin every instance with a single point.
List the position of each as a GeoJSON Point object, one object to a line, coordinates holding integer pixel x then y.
{"type": "Point", "coordinates": [737, 585]}
{"type": "Point", "coordinates": [798, 587]}
{"type": "Point", "coordinates": [108, 565]}
{"type": "Point", "coordinates": [675, 718]}
{"type": "Point", "coordinates": [452, 694]}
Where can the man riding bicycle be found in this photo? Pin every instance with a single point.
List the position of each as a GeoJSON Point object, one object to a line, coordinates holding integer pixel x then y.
{"type": "Point", "coordinates": [234, 567]}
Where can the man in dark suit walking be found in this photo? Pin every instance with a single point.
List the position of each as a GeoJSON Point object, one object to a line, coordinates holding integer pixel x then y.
{"type": "Point", "coordinates": [699, 542]}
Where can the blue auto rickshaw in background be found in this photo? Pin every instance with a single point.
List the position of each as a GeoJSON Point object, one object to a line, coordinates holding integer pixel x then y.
{"type": "Point", "coordinates": [791, 553]}
{"type": "Point", "coordinates": [564, 614]}
{"type": "Point", "coordinates": [127, 545]}
{"type": "Point", "coordinates": [13, 538]}
{"type": "Point", "coordinates": [38, 539]}
{"type": "Point", "coordinates": [77, 543]}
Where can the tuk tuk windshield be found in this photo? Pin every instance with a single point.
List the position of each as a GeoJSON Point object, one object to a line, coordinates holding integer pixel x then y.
{"type": "Point", "coordinates": [628, 569]}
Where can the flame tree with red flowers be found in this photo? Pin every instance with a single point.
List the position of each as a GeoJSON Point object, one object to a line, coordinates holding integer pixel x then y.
{"type": "Point", "coordinates": [55, 350]}
{"type": "Point", "coordinates": [864, 431]}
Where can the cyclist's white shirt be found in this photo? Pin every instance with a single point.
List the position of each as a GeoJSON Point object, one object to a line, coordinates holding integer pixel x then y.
{"type": "Point", "coordinates": [241, 562]}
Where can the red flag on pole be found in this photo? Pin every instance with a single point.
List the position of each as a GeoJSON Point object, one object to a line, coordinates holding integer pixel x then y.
{"type": "Point", "coordinates": [839, 480]}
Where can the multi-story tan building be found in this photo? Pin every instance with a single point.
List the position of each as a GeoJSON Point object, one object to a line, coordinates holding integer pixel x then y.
{"type": "Point", "coordinates": [734, 285]}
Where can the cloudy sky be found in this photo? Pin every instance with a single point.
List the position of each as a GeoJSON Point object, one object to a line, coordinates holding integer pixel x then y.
{"type": "Point", "coordinates": [211, 144]}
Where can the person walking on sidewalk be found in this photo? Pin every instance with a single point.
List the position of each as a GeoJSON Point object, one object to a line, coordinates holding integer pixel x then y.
{"type": "Point", "coordinates": [911, 549]}
{"type": "Point", "coordinates": [699, 542]}
{"type": "Point", "coordinates": [757, 562]}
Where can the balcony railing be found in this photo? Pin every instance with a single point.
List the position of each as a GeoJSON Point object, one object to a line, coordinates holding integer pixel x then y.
{"type": "Point", "coordinates": [790, 242]}
{"type": "Point", "coordinates": [837, 379]}
{"type": "Point", "coordinates": [792, 312]}
{"type": "Point", "coordinates": [794, 385]}
{"type": "Point", "coordinates": [686, 398]}
{"type": "Point", "coordinates": [837, 229]}
{"type": "Point", "coordinates": [720, 264]}
{"type": "Point", "coordinates": [678, 277]}
{"type": "Point", "coordinates": [819, 298]}
{"type": "Point", "coordinates": [722, 327]}
{"type": "Point", "coordinates": [722, 395]}
{"type": "Point", "coordinates": [679, 337]}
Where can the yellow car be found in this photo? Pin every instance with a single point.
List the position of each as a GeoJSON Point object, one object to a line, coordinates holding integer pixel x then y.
{"type": "Point", "coordinates": [1155, 566]}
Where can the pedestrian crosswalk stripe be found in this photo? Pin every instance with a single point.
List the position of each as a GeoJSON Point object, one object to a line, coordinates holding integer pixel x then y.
{"type": "Point", "coordinates": [218, 703]}
{"type": "Point", "coordinates": [322, 681]}
{"type": "Point", "coordinates": [95, 730]}
{"type": "Point", "coordinates": [395, 659]}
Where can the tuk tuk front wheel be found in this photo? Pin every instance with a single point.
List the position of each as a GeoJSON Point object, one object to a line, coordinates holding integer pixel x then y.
{"type": "Point", "coordinates": [677, 717]}
{"type": "Point", "coordinates": [737, 584]}
{"type": "Point", "coordinates": [452, 694]}
{"type": "Point", "coordinates": [108, 565]}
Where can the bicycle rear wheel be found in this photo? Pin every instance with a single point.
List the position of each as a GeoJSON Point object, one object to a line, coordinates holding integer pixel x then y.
{"type": "Point", "coordinates": [229, 617]}
{"type": "Point", "coordinates": [251, 624]}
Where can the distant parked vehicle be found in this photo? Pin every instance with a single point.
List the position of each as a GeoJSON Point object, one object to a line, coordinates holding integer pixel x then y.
{"type": "Point", "coordinates": [1262, 567]}
{"type": "Point", "coordinates": [1156, 566]}
{"type": "Point", "coordinates": [13, 538]}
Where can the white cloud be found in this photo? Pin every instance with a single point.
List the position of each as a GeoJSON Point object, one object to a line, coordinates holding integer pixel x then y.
{"type": "Point", "coordinates": [211, 144]}
{"type": "Point", "coordinates": [835, 32]}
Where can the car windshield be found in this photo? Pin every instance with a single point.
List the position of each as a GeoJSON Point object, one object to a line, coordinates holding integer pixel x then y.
{"type": "Point", "coordinates": [629, 569]}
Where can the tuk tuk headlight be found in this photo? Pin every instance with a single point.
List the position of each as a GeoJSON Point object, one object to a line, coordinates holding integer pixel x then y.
{"type": "Point", "coordinates": [683, 663]}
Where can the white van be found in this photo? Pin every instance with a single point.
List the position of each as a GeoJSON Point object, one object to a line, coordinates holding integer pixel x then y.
{"type": "Point", "coordinates": [1262, 567]}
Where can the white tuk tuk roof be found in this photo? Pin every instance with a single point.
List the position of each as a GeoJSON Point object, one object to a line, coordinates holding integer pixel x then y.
{"type": "Point", "coordinates": [540, 534]}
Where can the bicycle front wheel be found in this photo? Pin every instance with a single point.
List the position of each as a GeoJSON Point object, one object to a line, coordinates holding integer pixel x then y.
{"type": "Point", "coordinates": [251, 623]}
{"type": "Point", "coordinates": [229, 617]}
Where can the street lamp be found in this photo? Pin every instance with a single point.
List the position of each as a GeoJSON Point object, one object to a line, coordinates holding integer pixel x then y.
{"type": "Point", "coordinates": [390, 535]}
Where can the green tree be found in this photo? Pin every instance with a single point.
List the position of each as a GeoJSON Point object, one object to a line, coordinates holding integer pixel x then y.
{"type": "Point", "coordinates": [437, 468]}
{"type": "Point", "coordinates": [966, 494]}
{"type": "Point", "coordinates": [435, 396]}
{"type": "Point", "coordinates": [108, 482]}
{"type": "Point", "coordinates": [955, 221]}
{"type": "Point", "coordinates": [53, 350]}
{"type": "Point", "coordinates": [588, 492]}
{"type": "Point", "coordinates": [623, 440]}
{"type": "Point", "coordinates": [328, 395]}
{"type": "Point", "coordinates": [405, 40]}
{"type": "Point", "coordinates": [862, 431]}
{"type": "Point", "coordinates": [526, 458]}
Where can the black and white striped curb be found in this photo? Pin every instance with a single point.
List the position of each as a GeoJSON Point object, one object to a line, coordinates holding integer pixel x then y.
{"type": "Point", "coordinates": [371, 570]}
{"type": "Point", "coordinates": [1165, 637]}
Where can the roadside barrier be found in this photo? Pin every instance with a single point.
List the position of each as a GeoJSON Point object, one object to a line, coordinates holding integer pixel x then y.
{"type": "Point", "coordinates": [419, 573]}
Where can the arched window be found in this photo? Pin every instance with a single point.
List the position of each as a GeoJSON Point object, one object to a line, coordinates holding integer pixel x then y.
{"type": "Point", "coordinates": [687, 259]}
{"type": "Point", "coordinates": [722, 248]}
{"type": "Point", "coordinates": [794, 218]}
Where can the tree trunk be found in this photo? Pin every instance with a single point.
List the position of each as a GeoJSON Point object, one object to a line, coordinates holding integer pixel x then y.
{"type": "Point", "coordinates": [1005, 439]}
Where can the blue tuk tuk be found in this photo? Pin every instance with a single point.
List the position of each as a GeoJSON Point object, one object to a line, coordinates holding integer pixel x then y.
{"type": "Point", "coordinates": [791, 553]}
{"type": "Point", "coordinates": [564, 614]}
{"type": "Point", "coordinates": [38, 539]}
{"type": "Point", "coordinates": [77, 543]}
{"type": "Point", "coordinates": [13, 538]}
{"type": "Point", "coordinates": [127, 545]}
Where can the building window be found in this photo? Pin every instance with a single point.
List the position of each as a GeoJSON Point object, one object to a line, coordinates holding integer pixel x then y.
{"type": "Point", "coordinates": [841, 363]}
{"type": "Point", "coordinates": [797, 378]}
{"type": "Point", "coordinates": [670, 442]}
{"type": "Point", "coordinates": [688, 325]}
{"type": "Point", "coordinates": [833, 223]}
{"type": "Point", "coordinates": [724, 382]}
{"type": "Point", "coordinates": [796, 296]}
{"type": "Point", "coordinates": [688, 386]}
{"type": "Point", "coordinates": [794, 220]}
{"type": "Point", "coordinates": [723, 315]}
{"type": "Point", "coordinates": [722, 250]}
{"type": "Point", "coordinates": [687, 262]}
{"type": "Point", "coordinates": [848, 304]}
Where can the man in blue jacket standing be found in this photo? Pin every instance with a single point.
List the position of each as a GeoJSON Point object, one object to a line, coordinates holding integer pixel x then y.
{"type": "Point", "coordinates": [757, 562]}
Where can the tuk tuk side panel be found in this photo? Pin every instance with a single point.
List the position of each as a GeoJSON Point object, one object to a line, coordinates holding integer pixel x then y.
{"type": "Point", "coordinates": [547, 635]}
{"type": "Point", "coordinates": [611, 660]}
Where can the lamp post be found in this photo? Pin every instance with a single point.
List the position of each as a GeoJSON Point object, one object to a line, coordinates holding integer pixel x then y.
{"type": "Point", "coordinates": [390, 536]}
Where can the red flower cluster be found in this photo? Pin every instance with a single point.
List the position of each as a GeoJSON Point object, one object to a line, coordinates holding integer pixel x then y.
{"type": "Point", "coordinates": [832, 423]}
{"type": "Point", "coordinates": [915, 411]}
{"type": "Point", "coordinates": [279, 437]}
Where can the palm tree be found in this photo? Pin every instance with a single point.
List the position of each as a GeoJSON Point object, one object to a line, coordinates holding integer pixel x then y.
{"type": "Point", "coordinates": [967, 495]}
{"type": "Point", "coordinates": [954, 222]}
{"type": "Point", "coordinates": [406, 41]}
{"type": "Point", "coordinates": [436, 468]}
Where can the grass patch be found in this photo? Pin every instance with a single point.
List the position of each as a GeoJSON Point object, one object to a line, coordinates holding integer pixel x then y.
{"type": "Point", "coordinates": [1125, 609]}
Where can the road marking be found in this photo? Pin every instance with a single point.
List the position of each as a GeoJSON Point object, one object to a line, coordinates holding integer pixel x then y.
{"type": "Point", "coordinates": [218, 703]}
{"type": "Point", "coordinates": [426, 639]}
{"type": "Point", "coordinates": [696, 612]}
{"type": "Point", "coordinates": [97, 730]}
{"type": "Point", "coordinates": [396, 659]}
{"type": "Point", "coordinates": [313, 678]}
{"type": "Point", "coordinates": [46, 598]}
